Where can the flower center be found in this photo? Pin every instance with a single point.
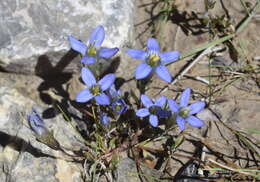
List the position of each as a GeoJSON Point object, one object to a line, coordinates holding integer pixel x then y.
{"type": "Point", "coordinates": [92, 51]}
{"type": "Point", "coordinates": [153, 60]}
{"type": "Point", "coordinates": [153, 110]}
{"type": "Point", "coordinates": [95, 90]}
{"type": "Point", "coordinates": [119, 106]}
{"type": "Point", "coordinates": [184, 112]}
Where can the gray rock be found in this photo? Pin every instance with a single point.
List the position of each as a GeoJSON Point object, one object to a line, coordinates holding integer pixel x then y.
{"type": "Point", "coordinates": [24, 84]}
{"type": "Point", "coordinates": [22, 157]}
{"type": "Point", "coordinates": [35, 32]}
{"type": "Point", "coordinates": [127, 172]}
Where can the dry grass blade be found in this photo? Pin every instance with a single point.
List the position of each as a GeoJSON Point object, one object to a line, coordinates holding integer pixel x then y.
{"type": "Point", "coordinates": [241, 171]}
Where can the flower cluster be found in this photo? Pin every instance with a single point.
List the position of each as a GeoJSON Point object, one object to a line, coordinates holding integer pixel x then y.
{"type": "Point", "coordinates": [106, 116]}
{"type": "Point", "coordinates": [181, 112]}
{"type": "Point", "coordinates": [104, 93]}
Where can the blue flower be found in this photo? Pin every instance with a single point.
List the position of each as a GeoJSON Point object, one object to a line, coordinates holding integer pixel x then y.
{"type": "Point", "coordinates": [95, 89]}
{"type": "Point", "coordinates": [184, 113]}
{"type": "Point", "coordinates": [43, 134]}
{"type": "Point", "coordinates": [104, 119]}
{"type": "Point", "coordinates": [118, 104]}
{"type": "Point", "coordinates": [92, 50]}
{"type": "Point", "coordinates": [152, 109]}
{"type": "Point", "coordinates": [153, 60]}
{"type": "Point", "coordinates": [36, 123]}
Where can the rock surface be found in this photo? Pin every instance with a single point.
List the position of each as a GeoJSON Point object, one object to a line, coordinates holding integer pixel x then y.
{"type": "Point", "coordinates": [32, 29]}
{"type": "Point", "coordinates": [127, 171]}
{"type": "Point", "coordinates": [33, 39]}
{"type": "Point", "coordinates": [22, 158]}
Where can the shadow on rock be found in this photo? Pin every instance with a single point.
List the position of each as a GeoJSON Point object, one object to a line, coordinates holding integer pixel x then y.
{"type": "Point", "coordinates": [21, 145]}
{"type": "Point", "coordinates": [53, 92]}
{"type": "Point", "coordinates": [53, 80]}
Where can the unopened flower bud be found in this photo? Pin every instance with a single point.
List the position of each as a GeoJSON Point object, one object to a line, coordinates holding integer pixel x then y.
{"type": "Point", "coordinates": [36, 123]}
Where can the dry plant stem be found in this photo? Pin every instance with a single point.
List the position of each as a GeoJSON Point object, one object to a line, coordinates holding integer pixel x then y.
{"type": "Point", "coordinates": [228, 168]}
{"type": "Point", "coordinates": [198, 78]}
{"type": "Point", "coordinates": [176, 34]}
{"type": "Point", "coordinates": [85, 167]}
{"type": "Point", "coordinates": [177, 78]}
{"type": "Point", "coordinates": [164, 153]}
{"type": "Point", "coordinates": [207, 49]}
{"type": "Point", "coordinates": [124, 146]}
{"type": "Point", "coordinates": [87, 112]}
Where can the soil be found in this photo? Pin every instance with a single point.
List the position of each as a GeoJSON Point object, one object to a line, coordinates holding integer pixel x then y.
{"type": "Point", "coordinates": [236, 105]}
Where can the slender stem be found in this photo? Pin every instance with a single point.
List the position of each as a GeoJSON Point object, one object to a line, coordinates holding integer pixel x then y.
{"type": "Point", "coordinates": [230, 168]}
{"type": "Point", "coordinates": [205, 52]}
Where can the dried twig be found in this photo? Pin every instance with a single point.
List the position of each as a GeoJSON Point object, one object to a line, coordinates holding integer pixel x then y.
{"type": "Point", "coordinates": [230, 168]}
{"type": "Point", "coordinates": [177, 78]}
{"type": "Point", "coordinates": [198, 78]}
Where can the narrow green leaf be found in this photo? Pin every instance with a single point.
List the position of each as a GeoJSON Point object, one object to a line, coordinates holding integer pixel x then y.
{"type": "Point", "coordinates": [204, 46]}
{"type": "Point", "coordinates": [254, 131]}
{"type": "Point", "coordinates": [179, 140]}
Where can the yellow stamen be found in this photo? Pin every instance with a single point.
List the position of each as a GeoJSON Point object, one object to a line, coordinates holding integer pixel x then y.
{"type": "Point", "coordinates": [92, 51]}
{"type": "Point", "coordinates": [153, 60]}
{"type": "Point", "coordinates": [95, 90]}
{"type": "Point", "coordinates": [184, 112]}
{"type": "Point", "coordinates": [118, 107]}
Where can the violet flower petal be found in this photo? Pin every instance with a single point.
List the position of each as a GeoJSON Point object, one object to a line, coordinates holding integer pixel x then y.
{"type": "Point", "coordinates": [84, 96]}
{"type": "Point", "coordinates": [153, 46]}
{"type": "Point", "coordinates": [142, 71]}
{"type": "Point", "coordinates": [180, 122]}
{"type": "Point", "coordinates": [163, 73]}
{"type": "Point", "coordinates": [167, 57]}
{"type": "Point", "coordinates": [153, 119]}
{"type": "Point", "coordinates": [195, 122]}
{"type": "Point", "coordinates": [184, 100]}
{"type": "Point", "coordinates": [102, 99]}
{"type": "Point", "coordinates": [97, 36]}
{"type": "Point", "coordinates": [146, 101]}
{"type": "Point", "coordinates": [88, 77]}
{"type": "Point", "coordinates": [142, 112]}
{"type": "Point", "coordinates": [77, 45]}
{"type": "Point", "coordinates": [137, 54]}
{"type": "Point", "coordinates": [107, 81]}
